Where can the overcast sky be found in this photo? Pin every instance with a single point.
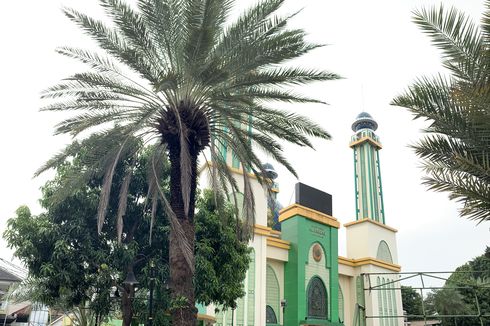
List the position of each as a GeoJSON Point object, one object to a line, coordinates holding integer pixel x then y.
{"type": "Point", "coordinates": [372, 44]}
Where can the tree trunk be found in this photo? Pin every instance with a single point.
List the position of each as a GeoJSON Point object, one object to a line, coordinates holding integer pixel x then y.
{"type": "Point", "coordinates": [183, 312]}
{"type": "Point", "coordinates": [127, 305]}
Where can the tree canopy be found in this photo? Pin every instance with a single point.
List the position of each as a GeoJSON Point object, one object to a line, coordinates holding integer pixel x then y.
{"type": "Point", "coordinates": [456, 149]}
{"type": "Point", "coordinates": [71, 266]}
{"type": "Point", "coordinates": [466, 292]}
{"type": "Point", "coordinates": [412, 301]}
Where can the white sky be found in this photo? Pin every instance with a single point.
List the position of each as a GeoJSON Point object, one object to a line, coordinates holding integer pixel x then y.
{"type": "Point", "coordinates": [373, 44]}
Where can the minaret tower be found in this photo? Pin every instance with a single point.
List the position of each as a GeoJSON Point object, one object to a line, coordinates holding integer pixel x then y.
{"type": "Point", "coordinates": [368, 189]}
{"type": "Point", "coordinates": [371, 243]}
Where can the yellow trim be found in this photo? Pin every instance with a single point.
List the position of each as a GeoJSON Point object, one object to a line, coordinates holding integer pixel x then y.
{"type": "Point", "coordinates": [368, 220]}
{"type": "Point", "coordinates": [275, 232]}
{"type": "Point", "coordinates": [346, 261]}
{"type": "Point", "coordinates": [278, 243]}
{"type": "Point", "coordinates": [308, 213]}
{"type": "Point", "coordinates": [369, 261]}
{"type": "Point", "coordinates": [262, 230]}
{"type": "Point", "coordinates": [377, 262]}
{"type": "Point", "coordinates": [364, 139]}
{"type": "Point", "coordinates": [206, 317]}
{"type": "Point", "coordinates": [232, 169]}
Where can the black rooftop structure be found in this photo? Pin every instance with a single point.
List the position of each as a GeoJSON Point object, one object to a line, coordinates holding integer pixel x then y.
{"type": "Point", "coordinates": [313, 198]}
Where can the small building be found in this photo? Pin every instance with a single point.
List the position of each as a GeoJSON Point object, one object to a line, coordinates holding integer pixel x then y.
{"type": "Point", "coordinates": [13, 314]}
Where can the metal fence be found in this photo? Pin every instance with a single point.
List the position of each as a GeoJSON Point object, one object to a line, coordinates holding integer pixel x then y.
{"type": "Point", "coordinates": [463, 288]}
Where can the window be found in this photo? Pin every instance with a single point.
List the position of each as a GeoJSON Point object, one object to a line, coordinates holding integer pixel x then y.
{"type": "Point", "coordinates": [384, 253]}
{"type": "Point", "coordinates": [270, 315]}
{"type": "Point", "coordinates": [317, 299]}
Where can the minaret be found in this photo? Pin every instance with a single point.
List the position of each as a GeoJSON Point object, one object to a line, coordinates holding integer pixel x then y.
{"type": "Point", "coordinates": [371, 243]}
{"type": "Point", "coordinates": [368, 189]}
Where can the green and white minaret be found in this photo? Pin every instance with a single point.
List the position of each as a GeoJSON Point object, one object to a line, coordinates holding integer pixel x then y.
{"type": "Point", "coordinates": [367, 173]}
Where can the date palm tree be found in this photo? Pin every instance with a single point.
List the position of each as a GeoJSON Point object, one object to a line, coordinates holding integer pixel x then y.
{"type": "Point", "coordinates": [178, 74]}
{"type": "Point", "coordinates": [456, 149]}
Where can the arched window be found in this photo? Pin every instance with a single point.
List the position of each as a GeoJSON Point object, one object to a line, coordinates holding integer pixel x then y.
{"type": "Point", "coordinates": [384, 252]}
{"type": "Point", "coordinates": [380, 301]}
{"type": "Point", "coordinates": [395, 310]}
{"type": "Point", "coordinates": [360, 298]}
{"type": "Point", "coordinates": [390, 303]}
{"type": "Point", "coordinates": [272, 292]}
{"type": "Point", "coordinates": [239, 202]}
{"type": "Point", "coordinates": [220, 321]}
{"type": "Point", "coordinates": [385, 300]}
{"type": "Point", "coordinates": [270, 315]}
{"type": "Point", "coordinates": [341, 304]}
{"type": "Point", "coordinates": [317, 299]}
{"type": "Point", "coordinates": [251, 291]}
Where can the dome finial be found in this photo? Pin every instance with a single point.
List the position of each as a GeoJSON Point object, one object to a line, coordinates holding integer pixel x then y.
{"type": "Point", "coordinates": [364, 120]}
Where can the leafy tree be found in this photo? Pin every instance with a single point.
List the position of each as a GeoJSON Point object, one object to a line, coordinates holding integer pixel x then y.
{"type": "Point", "coordinates": [412, 302]}
{"type": "Point", "coordinates": [455, 152]}
{"type": "Point", "coordinates": [178, 74]}
{"type": "Point", "coordinates": [460, 292]}
{"type": "Point", "coordinates": [72, 268]}
{"type": "Point", "coordinates": [65, 255]}
{"type": "Point", "coordinates": [448, 301]}
{"type": "Point", "coordinates": [473, 280]}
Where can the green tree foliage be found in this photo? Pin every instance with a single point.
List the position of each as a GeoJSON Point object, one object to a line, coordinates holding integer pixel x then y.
{"type": "Point", "coordinates": [412, 302]}
{"type": "Point", "coordinates": [466, 292]}
{"type": "Point", "coordinates": [73, 268]}
{"type": "Point", "coordinates": [221, 258]}
{"type": "Point", "coordinates": [456, 150]}
{"type": "Point", "coordinates": [179, 74]}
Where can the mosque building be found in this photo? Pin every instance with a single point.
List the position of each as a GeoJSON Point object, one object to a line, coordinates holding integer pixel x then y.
{"type": "Point", "coordinates": [296, 276]}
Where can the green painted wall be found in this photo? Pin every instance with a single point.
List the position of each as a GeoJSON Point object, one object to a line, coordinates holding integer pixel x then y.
{"type": "Point", "coordinates": [302, 234]}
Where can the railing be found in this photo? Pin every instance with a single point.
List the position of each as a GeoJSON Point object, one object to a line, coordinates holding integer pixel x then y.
{"type": "Point", "coordinates": [423, 283]}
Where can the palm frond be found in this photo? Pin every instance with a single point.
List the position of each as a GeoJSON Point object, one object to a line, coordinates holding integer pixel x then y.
{"type": "Point", "coordinates": [123, 199]}
{"type": "Point", "coordinates": [180, 236]}
{"type": "Point", "coordinates": [456, 35]}
{"type": "Point", "coordinates": [455, 152]}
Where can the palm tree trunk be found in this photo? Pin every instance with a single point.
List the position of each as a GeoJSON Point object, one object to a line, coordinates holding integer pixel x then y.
{"type": "Point", "coordinates": [184, 312]}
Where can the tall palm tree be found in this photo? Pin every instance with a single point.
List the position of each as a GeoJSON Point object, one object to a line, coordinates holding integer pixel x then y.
{"type": "Point", "coordinates": [456, 149]}
{"type": "Point", "coordinates": [176, 73]}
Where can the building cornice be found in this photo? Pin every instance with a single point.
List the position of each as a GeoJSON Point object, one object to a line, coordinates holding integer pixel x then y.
{"type": "Point", "coordinates": [366, 139]}
{"type": "Point", "coordinates": [308, 213]}
{"type": "Point", "coordinates": [278, 243]}
{"type": "Point", "coordinates": [262, 229]}
{"type": "Point", "coordinates": [369, 261]}
{"type": "Point", "coordinates": [232, 169]}
{"type": "Point", "coordinates": [368, 220]}
{"type": "Point", "coordinates": [276, 233]}
{"type": "Point", "coordinates": [207, 318]}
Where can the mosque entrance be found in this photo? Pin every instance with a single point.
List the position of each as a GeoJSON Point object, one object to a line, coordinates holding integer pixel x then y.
{"type": "Point", "coordinates": [458, 298]}
{"type": "Point", "coordinates": [317, 299]}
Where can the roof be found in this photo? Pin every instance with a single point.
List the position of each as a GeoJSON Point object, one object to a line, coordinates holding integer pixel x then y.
{"type": "Point", "coordinates": [10, 272]}
{"type": "Point", "coordinates": [8, 277]}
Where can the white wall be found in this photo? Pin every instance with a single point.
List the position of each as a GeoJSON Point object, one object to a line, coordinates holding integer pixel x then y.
{"type": "Point", "coordinates": [363, 240]}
